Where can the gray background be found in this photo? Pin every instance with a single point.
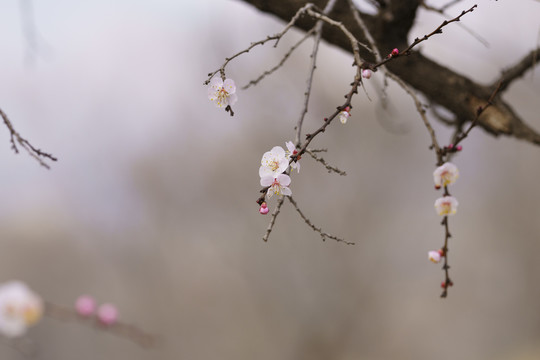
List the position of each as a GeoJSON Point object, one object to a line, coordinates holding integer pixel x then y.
{"type": "Point", "coordinates": [152, 203]}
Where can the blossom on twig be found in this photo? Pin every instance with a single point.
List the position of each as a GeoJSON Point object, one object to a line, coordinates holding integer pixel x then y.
{"type": "Point", "coordinates": [344, 115]}
{"type": "Point", "coordinates": [222, 93]}
{"type": "Point", "coordinates": [273, 162]}
{"type": "Point", "coordinates": [445, 174]}
{"type": "Point", "coordinates": [446, 205]}
{"type": "Point", "coordinates": [277, 185]}
{"type": "Point", "coordinates": [435, 256]}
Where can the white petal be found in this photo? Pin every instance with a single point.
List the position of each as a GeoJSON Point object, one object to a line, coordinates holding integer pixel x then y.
{"type": "Point", "coordinates": [267, 180]}
{"type": "Point", "coordinates": [229, 86]}
{"type": "Point", "coordinates": [278, 151]}
{"type": "Point", "coordinates": [216, 83]}
{"type": "Point", "coordinates": [286, 191]}
{"type": "Point", "coordinates": [265, 171]}
{"type": "Point", "coordinates": [233, 99]}
{"type": "Point", "coordinates": [290, 146]}
{"type": "Point", "coordinates": [284, 179]}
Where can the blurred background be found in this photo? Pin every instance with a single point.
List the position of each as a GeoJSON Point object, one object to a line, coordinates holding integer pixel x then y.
{"type": "Point", "coordinates": [151, 205]}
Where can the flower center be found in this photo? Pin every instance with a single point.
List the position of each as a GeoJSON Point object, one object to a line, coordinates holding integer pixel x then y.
{"type": "Point", "coordinates": [222, 95]}
{"type": "Point", "coordinates": [274, 165]}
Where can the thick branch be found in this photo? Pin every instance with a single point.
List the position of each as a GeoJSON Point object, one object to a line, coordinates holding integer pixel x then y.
{"type": "Point", "coordinates": [456, 92]}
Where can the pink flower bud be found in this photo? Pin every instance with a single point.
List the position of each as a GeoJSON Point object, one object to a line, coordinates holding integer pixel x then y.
{"type": "Point", "coordinates": [459, 148]}
{"type": "Point", "coordinates": [85, 305]}
{"type": "Point", "coordinates": [395, 52]}
{"type": "Point", "coordinates": [450, 146]}
{"type": "Point", "coordinates": [264, 209]}
{"type": "Point", "coordinates": [366, 73]}
{"type": "Point", "coordinates": [107, 314]}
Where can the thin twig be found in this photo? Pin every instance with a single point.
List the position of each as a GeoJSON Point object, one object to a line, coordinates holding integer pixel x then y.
{"type": "Point", "coordinates": [273, 219]}
{"type": "Point", "coordinates": [31, 150]}
{"type": "Point", "coordinates": [446, 267]}
{"type": "Point", "coordinates": [421, 110]}
{"type": "Point", "coordinates": [280, 64]}
{"type": "Point", "coordinates": [325, 164]}
{"type": "Point", "coordinates": [323, 234]}
{"type": "Point", "coordinates": [316, 42]}
{"type": "Point", "coordinates": [366, 31]}
{"type": "Point", "coordinates": [479, 112]}
{"type": "Point", "coordinates": [276, 37]}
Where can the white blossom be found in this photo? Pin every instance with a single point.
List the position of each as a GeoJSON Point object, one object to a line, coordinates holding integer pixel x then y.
{"type": "Point", "coordinates": [445, 174]}
{"type": "Point", "coordinates": [446, 205]}
{"type": "Point", "coordinates": [278, 185]}
{"type": "Point", "coordinates": [222, 93]}
{"type": "Point", "coordinates": [20, 308]}
{"type": "Point", "coordinates": [273, 163]}
{"type": "Point", "coordinates": [344, 115]}
{"type": "Point", "coordinates": [434, 256]}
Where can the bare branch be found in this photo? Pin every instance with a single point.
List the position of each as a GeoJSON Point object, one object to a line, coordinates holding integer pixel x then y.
{"type": "Point", "coordinates": [273, 219]}
{"type": "Point", "coordinates": [285, 57]}
{"type": "Point", "coordinates": [318, 33]}
{"type": "Point", "coordinates": [323, 234]}
{"type": "Point", "coordinates": [31, 150]}
{"type": "Point", "coordinates": [325, 164]}
{"type": "Point", "coordinates": [276, 37]}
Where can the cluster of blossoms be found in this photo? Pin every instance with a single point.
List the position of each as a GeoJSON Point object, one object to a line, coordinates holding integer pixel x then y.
{"type": "Point", "coordinates": [222, 93]}
{"type": "Point", "coordinates": [106, 314]}
{"type": "Point", "coordinates": [20, 308]}
{"type": "Point", "coordinates": [274, 164]}
{"type": "Point", "coordinates": [444, 175]}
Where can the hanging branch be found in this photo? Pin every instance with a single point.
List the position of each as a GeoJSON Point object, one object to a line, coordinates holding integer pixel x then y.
{"type": "Point", "coordinates": [16, 138]}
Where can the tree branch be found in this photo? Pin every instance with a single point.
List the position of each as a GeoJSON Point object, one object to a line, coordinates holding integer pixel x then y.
{"type": "Point", "coordinates": [455, 92]}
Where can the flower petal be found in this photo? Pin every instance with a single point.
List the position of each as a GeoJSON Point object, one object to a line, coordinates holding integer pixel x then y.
{"type": "Point", "coordinates": [233, 98]}
{"type": "Point", "coordinates": [216, 83]}
{"type": "Point", "coordinates": [267, 181]}
{"type": "Point", "coordinates": [286, 191]}
{"type": "Point", "coordinates": [283, 179]}
{"type": "Point", "coordinates": [229, 86]}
